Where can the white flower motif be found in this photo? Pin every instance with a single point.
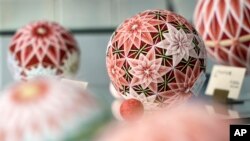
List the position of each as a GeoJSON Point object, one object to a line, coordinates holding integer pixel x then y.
{"type": "Point", "coordinates": [147, 101]}
{"type": "Point", "coordinates": [178, 44]}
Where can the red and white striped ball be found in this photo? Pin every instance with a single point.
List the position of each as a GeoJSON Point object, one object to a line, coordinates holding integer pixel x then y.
{"type": "Point", "coordinates": [225, 28]}
{"type": "Point", "coordinates": [155, 57]}
{"type": "Point", "coordinates": [43, 48]}
{"type": "Point", "coordinates": [44, 109]}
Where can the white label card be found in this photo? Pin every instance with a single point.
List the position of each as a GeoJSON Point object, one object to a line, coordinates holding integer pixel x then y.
{"type": "Point", "coordinates": [226, 78]}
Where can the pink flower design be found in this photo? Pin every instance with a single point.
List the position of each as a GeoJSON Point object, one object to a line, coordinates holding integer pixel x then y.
{"type": "Point", "coordinates": [115, 70]}
{"type": "Point", "coordinates": [147, 70]}
{"type": "Point", "coordinates": [184, 82]}
{"type": "Point", "coordinates": [136, 30]}
{"type": "Point", "coordinates": [180, 91]}
{"type": "Point", "coordinates": [178, 43]}
{"type": "Point", "coordinates": [172, 99]}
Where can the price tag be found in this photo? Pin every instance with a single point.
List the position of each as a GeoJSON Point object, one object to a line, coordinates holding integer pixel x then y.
{"type": "Point", "coordinates": [226, 78]}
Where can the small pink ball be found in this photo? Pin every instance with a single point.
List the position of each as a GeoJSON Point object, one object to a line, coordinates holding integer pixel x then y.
{"type": "Point", "coordinates": [131, 109]}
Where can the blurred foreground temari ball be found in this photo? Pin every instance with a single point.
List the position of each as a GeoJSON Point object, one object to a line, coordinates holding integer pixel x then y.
{"type": "Point", "coordinates": [43, 48]}
{"type": "Point", "coordinates": [155, 57]}
{"type": "Point", "coordinates": [44, 110]}
{"type": "Point", "coordinates": [225, 28]}
{"type": "Point", "coordinates": [181, 124]}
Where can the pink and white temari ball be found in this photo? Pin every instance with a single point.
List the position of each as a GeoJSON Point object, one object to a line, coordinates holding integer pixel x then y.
{"type": "Point", "coordinates": [43, 110]}
{"type": "Point", "coordinates": [43, 48]}
{"type": "Point", "coordinates": [225, 28]}
{"type": "Point", "coordinates": [155, 57]}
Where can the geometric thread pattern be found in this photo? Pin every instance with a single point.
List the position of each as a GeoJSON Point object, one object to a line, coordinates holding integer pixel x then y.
{"type": "Point", "coordinates": [225, 28]}
{"type": "Point", "coordinates": [43, 47]}
{"type": "Point", "coordinates": [155, 52]}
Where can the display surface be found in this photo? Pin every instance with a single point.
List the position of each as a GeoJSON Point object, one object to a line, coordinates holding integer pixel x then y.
{"type": "Point", "coordinates": [43, 48]}
{"type": "Point", "coordinates": [155, 57]}
{"type": "Point", "coordinates": [225, 28]}
{"type": "Point", "coordinates": [47, 110]}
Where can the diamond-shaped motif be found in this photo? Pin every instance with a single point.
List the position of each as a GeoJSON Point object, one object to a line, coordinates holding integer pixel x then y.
{"type": "Point", "coordinates": [45, 46]}
{"type": "Point", "coordinates": [225, 28]}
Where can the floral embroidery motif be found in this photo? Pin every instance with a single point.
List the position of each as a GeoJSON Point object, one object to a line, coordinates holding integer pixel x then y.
{"type": "Point", "coordinates": [178, 44]}
{"type": "Point", "coordinates": [147, 70]}
{"type": "Point", "coordinates": [136, 30]}
{"type": "Point", "coordinates": [115, 71]}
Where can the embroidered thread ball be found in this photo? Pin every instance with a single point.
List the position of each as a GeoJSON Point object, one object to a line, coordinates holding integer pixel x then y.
{"type": "Point", "coordinates": [155, 57]}
{"type": "Point", "coordinates": [44, 110]}
{"type": "Point", "coordinates": [225, 28]}
{"type": "Point", "coordinates": [43, 48]}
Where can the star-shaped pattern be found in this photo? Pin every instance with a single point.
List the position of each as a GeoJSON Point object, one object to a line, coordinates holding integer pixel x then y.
{"type": "Point", "coordinates": [178, 44]}
{"type": "Point", "coordinates": [147, 70]}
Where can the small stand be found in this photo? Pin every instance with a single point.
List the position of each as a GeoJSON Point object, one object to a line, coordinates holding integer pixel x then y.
{"type": "Point", "coordinates": [222, 105]}
{"type": "Point", "coordinates": [227, 97]}
{"type": "Point", "coordinates": [221, 96]}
